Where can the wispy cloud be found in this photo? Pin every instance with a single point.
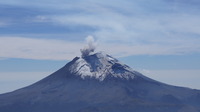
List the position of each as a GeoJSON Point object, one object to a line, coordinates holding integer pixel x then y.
{"type": "Point", "coordinates": [54, 49]}
{"type": "Point", "coordinates": [122, 28]}
{"type": "Point", "coordinates": [18, 47]}
{"type": "Point", "coordinates": [166, 30]}
{"type": "Point", "coordinates": [186, 78]}
{"type": "Point", "coordinates": [112, 25]}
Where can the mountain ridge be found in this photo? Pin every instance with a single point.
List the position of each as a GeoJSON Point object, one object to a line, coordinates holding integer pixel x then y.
{"type": "Point", "coordinates": [69, 90]}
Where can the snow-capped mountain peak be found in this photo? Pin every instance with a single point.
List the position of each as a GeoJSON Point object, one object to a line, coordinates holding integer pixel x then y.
{"type": "Point", "coordinates": [113, 87]}
{"type": "Point", "coordinates": [99, 66]}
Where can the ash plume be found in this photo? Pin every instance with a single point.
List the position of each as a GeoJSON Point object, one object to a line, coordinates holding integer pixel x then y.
{"type": "Point", "coordinates": [90, 47]}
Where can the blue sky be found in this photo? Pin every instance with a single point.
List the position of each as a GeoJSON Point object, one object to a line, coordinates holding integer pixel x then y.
{"type": "Point", "coordinates": [159, 38]}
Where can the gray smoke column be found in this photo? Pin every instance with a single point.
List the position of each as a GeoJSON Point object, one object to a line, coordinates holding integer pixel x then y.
{"type": "Point", "coordinates": [90, 47]}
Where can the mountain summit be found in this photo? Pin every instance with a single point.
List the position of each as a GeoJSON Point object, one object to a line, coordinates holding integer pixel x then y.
{"type": "Point", "coordinates": [99, 66]}
{"type": "Point", "coordinates": [99, 83]}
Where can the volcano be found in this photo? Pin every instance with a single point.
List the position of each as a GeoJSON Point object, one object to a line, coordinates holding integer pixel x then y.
{"type": "Point", "coordinates": [100, 83]}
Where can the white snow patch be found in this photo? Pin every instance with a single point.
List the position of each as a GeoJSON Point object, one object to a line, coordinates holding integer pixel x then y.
{"type": "Point", "coordinates": [103, 67]}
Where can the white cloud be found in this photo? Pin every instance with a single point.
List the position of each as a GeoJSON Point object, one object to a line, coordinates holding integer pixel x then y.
{"type": "Point", "coordinates": [122, 28]}
{"type": "Point", "coordinates": [122, 50]}
{"type": "Point", "coordinates": [184, 78]}
{"type": "Point", "coordinates": [40, 18]}
{"type": "Point", "coordinates": [176, 32]}
{"type": "Point", "coordinates": [53, 49]}
{"type": "Point", "coordinates": [19, 47]}
{"type": "Point", "coordinates": [113, 25]}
